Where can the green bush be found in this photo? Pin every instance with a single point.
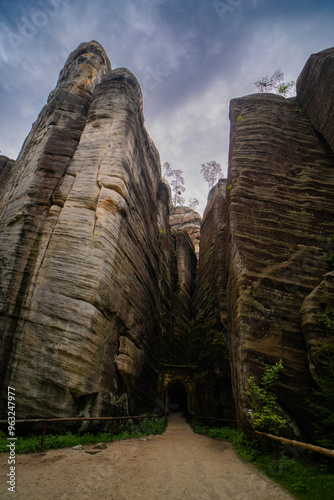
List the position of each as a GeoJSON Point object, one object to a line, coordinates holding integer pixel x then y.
{"type": "Point", "coordinates": [263, 400]}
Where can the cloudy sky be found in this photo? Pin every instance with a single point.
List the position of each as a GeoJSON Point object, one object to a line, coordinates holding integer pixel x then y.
{"type": "Point", "coordinates": [191, 58]}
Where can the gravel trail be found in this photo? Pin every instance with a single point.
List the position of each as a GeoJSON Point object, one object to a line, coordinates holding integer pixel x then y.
{"type": "Point", "coordinates": [177, 465]}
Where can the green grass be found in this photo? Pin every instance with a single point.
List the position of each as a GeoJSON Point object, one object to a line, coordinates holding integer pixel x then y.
{"type": "Point", "coordinates": [32, 443]}
{"type": "Point", "coordinates": [307, 476]}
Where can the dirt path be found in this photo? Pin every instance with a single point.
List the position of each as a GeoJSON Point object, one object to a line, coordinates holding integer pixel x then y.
{"type": "Point", "coordinates": [176, 465]}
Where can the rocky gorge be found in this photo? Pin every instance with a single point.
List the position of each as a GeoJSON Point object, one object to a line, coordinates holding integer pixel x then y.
{"type": "Point", "coordinates": [102, 284]}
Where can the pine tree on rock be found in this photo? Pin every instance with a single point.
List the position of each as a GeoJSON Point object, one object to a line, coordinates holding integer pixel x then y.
{"type": "Point", "coordinates": [211, 172]}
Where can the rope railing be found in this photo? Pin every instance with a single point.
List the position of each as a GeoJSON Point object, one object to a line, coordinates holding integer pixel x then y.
{"type": "Point", "coordinates": [81, 419]}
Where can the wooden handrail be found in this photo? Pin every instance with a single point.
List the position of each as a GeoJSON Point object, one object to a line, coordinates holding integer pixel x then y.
{"type": "Point", "coordinates": [310, 447]}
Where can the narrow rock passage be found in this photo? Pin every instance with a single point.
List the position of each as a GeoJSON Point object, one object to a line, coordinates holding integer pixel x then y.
{"type": "Point", "coordinates": [176, 465]}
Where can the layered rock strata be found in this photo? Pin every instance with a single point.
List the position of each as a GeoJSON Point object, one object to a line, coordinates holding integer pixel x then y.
{"type": "Point", "coordinates": [280, 213]}
{"type": "Point", "coordinates": [80, 250]}
{"type": "Point", "coordinates": [190, 220]}
{"type": "Point", "coordinates": [180, 338]}
{"type": "Point", "coordinates": [6, 165]}
{"type": "Point", "coordinates": [315, 93]}
{"type": "Point", "coordinates": [210, 342]}
{"type": "Point", "coordinates": [100, 284]}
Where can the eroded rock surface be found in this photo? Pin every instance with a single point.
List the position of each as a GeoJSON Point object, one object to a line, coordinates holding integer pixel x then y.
{"type": "Point", "coordinates": [190, 220]}
{"type": "Point", "coordinates": [210, 331]}
{"type": "Point", "coordinates": [280, 213]}
{"type": "Point", "coordinates": [315, 92]}
{"type": "Point", "coordinates": [317, 323]}
{"type": "Point", "coordinates": [6, 165]}
{"type": "Point", "coordinates": [100, 284]}
{"type": "Point", "coordinates": [80, 250]}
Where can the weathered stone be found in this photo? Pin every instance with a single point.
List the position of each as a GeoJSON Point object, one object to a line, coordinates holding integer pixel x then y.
{"type": "Point", "coordinates": [280, 211]}
{"type": "Point", "coordinates": [210, 339]}
{"type": "Point", "coordinates": [6, 166]}
{"type": "Point", "coordinates": [190, 220]}
{"type": "Point", "coordinates": [98, 284]}
{"type": "Point", "coordinates": [28, 220]}
{"type": "Point", "coordinates": [86, 67]}
{"type": "Point", "coordinates": [180, 337]}
{"type": "Point", "coordinates": [315, 92]}
{"type": "Point", "coordinates": [80, 284]}
{"type": "Point", "coordinates": [317, 323]}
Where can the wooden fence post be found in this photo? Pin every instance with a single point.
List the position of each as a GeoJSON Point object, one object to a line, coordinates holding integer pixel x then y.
{"type": "Point", "coordinates": [43, 435]}
{"type": "Point", "coordinates": [112, 430]}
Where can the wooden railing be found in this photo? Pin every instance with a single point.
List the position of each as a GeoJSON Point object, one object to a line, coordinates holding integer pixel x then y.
{"type": "Point", "coordinates": [310, 447]}
{"type": "Point", "coordinates": [81, 419]}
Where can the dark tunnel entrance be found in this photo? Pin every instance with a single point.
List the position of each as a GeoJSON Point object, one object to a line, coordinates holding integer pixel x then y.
{"type": "Point", "coordinates": [177, 397]}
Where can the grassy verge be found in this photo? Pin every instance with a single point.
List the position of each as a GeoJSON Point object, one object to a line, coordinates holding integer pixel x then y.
{"type": "Point", "coordinates": [307, 476]}
{"type": "Point", "coordinates": [32, 443]}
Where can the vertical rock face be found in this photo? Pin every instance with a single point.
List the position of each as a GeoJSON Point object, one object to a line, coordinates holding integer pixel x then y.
{"type": "Point", "coordinates": [210, 337]}
{"type": "Point", "coordinates": [317, 323]}
{"type": "Point", "coordinates": [280, 213]}
{"type": "Point", "coordinates": [100, 284]}
{"type": "Point", "coordinates": [80, 249]}
{"type": "Point", "coordinates": [35, 193]}
{"type": "Point", "coordinates": [180, 339]}
{"type": "Point", "coordinates": [6, 165]}
{"type": "Point", "coordinates": [190, 220]}
{"type": "Point", "coordinates": [185, 226]}
{"type": "Point", "coordinates": [315, 92]}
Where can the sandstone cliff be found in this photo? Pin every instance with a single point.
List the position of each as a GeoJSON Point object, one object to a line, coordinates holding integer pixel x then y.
{"type": "Point", "coordinates": [280, 213]}
{"type": "Point", "coordinates": [190, 220]}
{"type": "Point", "coordinates": [315, 93]}
{"type": "Point", "coordinates": [210, 341]}
{"type": "Point", "coordinates": [264, 289]}
{"type": "Point", "coordinates": [100, 284]}
{"type": "Point", "coordinates": [80, 250]}
{"type": "Point", "coordinates": [6, 165]}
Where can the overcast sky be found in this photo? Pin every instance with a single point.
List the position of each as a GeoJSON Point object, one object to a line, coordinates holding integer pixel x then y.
{"type": "Point", "coordinates": [191, 58]}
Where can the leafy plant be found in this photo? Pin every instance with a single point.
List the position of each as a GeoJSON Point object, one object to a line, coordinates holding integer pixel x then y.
{"type": "Point", "coordinates": [275, 83]}
{"type": "Point", "coordinates": [263, 399]}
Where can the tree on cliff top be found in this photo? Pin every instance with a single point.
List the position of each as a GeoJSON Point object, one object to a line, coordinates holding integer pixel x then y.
{"type": "Point", "coordinates": [211, 172]}
{"type": "Point", "coordinates": [177, 184]}
{"type": "Point", "coordinates": [275, 83]}
{"type": "Point", "coordinates": [193, 203]}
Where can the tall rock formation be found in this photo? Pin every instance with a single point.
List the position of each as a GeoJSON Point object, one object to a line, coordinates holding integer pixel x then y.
{"type": "Point", "coordinates": [190, 220]}
{"type": "Point", "coordinates": [280, 214]}
{"type": "Point", "coordinates": [318, 307]}
{"type": "Point", "coordinates": [185, 225]}
{"type": "Point", "coordinates": [264, 287]}
{"type": "Point", "coordinates": [80, 250]}
{"type": "Point", "coordinates": [210, 338]}
{"type": "Point", "coordinates": [315, 93]}
{"type": "Point", "coordinates": [100, 284]}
